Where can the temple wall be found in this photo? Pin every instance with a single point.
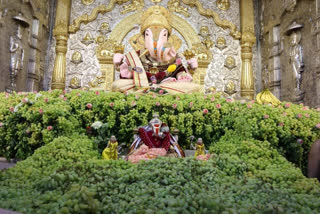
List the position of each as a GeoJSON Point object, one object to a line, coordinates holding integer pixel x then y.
{"type": "Point", "coordinates": [34, 42]}
{"type": "Point", "coordinates": [217, 74]}
{"type": "Point", "coordinates": [275, 19]}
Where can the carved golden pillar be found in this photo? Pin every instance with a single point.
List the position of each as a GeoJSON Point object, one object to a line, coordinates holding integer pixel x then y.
{"type": "Point", "coordinates": [107, 70]}
{"type": "Point", "coordinates": [61, 34]}
{"type": "Point", "coordinates": [248, 39]}
{"type": "Point", "coordinates": [200, 74]}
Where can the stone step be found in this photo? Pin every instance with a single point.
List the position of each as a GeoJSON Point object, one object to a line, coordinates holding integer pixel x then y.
{"type": "Point", "coordinates": [7, 212]}
{"type": "Point", "coordinates": [5, 164]}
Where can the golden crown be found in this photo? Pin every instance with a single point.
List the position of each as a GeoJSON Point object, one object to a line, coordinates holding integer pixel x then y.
{"type": "Point", "coordinates": [156, 16]}
{"type": "Point", "coordinates": [119, 48]}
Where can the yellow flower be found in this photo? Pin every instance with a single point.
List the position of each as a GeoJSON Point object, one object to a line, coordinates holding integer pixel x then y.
{"type": "Point", "coordinates": [172, 68]}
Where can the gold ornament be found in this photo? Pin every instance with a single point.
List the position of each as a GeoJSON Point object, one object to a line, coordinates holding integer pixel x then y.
{"type": "Point", "coordinates": [154, 69]}
{"type": "Point", "coordinates": [175, 6]}
{"type": "Point", "coordinates": [266, 97]}
{"type": "Point", "coordinates": [230, 88]}
{"type": "Point", "coordinates": [206, 40]}
{"type": "Point", "coordinates": [104, 28]}
{"type": "Point", "coordinates": [223, 4]}
{"type": "Point", "coordinates": [135, 5]}
{"type": "Point", "coordinates": [87, 2]}
{"type": "Point", "coordinates": [156, 16]}
{"type": "Point", "coordinates": [188, 54]}
{"type": "Point", "coordinates": [202, 53]}
{"type": "Point", "coordinates": [221, 43]}
{"type": "Point", "coordinates": [119, 48]}
{"type": "Point", "coordinates": [98, 81]}
{"type": "Point", "coordinates": [106, 49]}
{"type": "Point", "coordinates": [100, 39]}
{"type": "Point", "coordinates": [204, 31]}
{"type": "Point", "coordinates": [230, 63]}
{"type": "Point", "coordinates": [76, 58]}
{"type": "Point", "coordinates": [75, 83]}
{"type": "Point", "coordinates": [87, 40]}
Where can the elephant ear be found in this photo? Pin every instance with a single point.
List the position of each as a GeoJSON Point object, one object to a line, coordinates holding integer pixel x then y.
{"type": "Point", "coordinates": [137, 42]}
{"type": "Point", "coordinates": [175, 41]}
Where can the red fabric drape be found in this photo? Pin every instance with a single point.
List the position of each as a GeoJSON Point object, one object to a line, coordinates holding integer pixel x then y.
{"type": "Point", "coordinates": [154, 142]}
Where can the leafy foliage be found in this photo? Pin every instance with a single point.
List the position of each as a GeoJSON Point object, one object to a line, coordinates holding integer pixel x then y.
{"type": "Point", "coordinates": [289, 128]}
{"type": "Point", "coordinates": [243, 176]}
{"type": "Point", "coordinates": [18, 184]}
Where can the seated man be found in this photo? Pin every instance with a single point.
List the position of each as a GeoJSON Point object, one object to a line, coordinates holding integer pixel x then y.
{"type": "Point", "coordinates": [155, 136]}
{"type": "Point", "coordinates": [156, 62]}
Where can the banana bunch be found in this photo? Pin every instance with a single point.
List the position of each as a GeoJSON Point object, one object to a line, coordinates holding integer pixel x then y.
{"type": "Point", "coordinates": [266, 97]}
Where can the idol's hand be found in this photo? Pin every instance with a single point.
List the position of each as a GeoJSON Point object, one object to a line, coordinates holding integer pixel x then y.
{"type": "Point", "coordinates": [117, 59]}
{"type": "Point", "coordinates": [125, 72]}
{"type": "Point", "coordinates": [168, 54]}
{"type": "Point", "coordinates": [193, 63]}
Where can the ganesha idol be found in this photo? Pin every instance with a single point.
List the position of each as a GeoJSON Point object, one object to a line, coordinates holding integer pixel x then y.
{"type": "Point", "coordinates": [154, 140]}
{"type": "Point", "coordinates": [154, 62]}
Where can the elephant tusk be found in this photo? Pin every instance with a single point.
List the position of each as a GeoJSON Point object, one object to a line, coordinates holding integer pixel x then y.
{"type": "Point", "coordinates": [144, 53]}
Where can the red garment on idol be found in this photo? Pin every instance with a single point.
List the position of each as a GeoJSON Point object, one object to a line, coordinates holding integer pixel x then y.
{"type": "Point", "coordinates": [153, 141]}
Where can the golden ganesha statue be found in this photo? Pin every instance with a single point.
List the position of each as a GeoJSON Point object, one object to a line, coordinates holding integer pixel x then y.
{"type": "Point", "coordinates": [156, 65]}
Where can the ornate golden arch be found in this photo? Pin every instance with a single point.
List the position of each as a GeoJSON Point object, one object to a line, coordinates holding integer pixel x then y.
{"type": "Point", "coordinates": [183, 27]}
